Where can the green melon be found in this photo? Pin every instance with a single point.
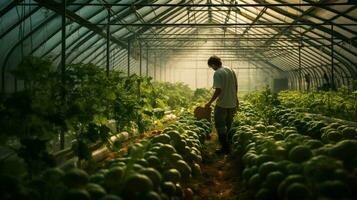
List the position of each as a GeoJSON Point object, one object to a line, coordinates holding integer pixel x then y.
{"type": "Point", "coordinates": [274, 179]}
{"type": "Point", "coordinates": [154, 161]}
{"type": "Point", "coordinates": [282, 165]}
{"type": "Point", "coordinates": [297, 191]}
{"type": "Point", "coordinates": [331, 136]}
{"type": "Point", "coordinates": [96, 191]}
{"type": "Point", "coordinates": [321, 168]}
{"type": "Point", "coordinates": [137, 167]}
{"type": "Point", "coordinates": [344, 150]}
{"type": "Point", "coordinates": [264, 194]}
{"type": "Point", "coordinates": [278, 136]}
{"type": "Point", "coordinates": [168, 187]}
{"type": "Point", "coordinates": [254, 181]}
{"type": "Point", "coordinates": [143, 162]}
{"type": "Point", "coordinates": [149, 153]}
{"type": "Point", "coordinates": [77, 194]}
{"type": "Point", "coordinates": [162, 138]}
{"type": "Point", "coordinates": [183, 168]}
{"type": "Point", "coordinates": [174, 135]}
{"type": "Point", "coordinates": [294, 168]}
{"type": "Point", "coordinates": [117, 164]}
{"type": "Point", "coordinates": [96, 178]}
{"type": "Point", "coordinates": [314, 144]}
{"type": "Point", "coordinates": [349, 133]}
{"type": "Point", "coordinates": [76, 178]}
{"type": "Point", "coordinates": [263, 158]}
{"type": "Point", "coordinates": [247, 173]}
{"type": "Point", "coordinates": [266, 168]}
{"type": "Point", "coordinates": [271, 128]}
{"type": "Point", "coordinates": [287, 182]}
{"type": "Point", "coordinates": [113, 177]}
{"type": "Point", "coordinates": [166, 150]}
{"type": "Point", "coordinates": [154, 176]}
{"type": "Point", "coordinates": [53, 175]}
{"type": "Point", "coordinates": [300, 153]}
{"type": "Point", "coordinates": [172, 175]}
{"type": "Point", "coordinates": [152, 195]}
{"type": "Point", "coordinates": [136, 184]}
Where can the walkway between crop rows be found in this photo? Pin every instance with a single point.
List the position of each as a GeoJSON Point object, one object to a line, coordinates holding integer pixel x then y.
{"type": "Point", "coordinates": [220, 178]}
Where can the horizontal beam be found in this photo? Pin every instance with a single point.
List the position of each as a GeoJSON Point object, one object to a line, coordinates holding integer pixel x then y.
{"type": "Point", "coordinates": [223, 57]}
{"type": "Point", "coordinates": [188, 47]}
{"type": "Point", "coordinates": [212, 34]}
{"type": "Point", "coordinates": [320, 5]}
{"type": "Point", "coordinates": [260, 25]}
{"type": "Point", "coordinates": [225, 60]}
{"type": "Point", "coordinates": [237, 49]}
{"type": "Point", "coordinates": [235, 68]}
{"type": "Point", "coordinates": [228, 38]}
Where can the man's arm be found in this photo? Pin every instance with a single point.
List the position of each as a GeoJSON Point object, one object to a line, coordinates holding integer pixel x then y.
{"type": "Point", "coordinates": [236, 84]}
{"type": "Point", "coordinates": [216, 93]}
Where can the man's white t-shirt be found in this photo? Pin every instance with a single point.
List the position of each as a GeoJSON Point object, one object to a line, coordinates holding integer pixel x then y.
{"type": "Point", "coordinates": [225, 79]}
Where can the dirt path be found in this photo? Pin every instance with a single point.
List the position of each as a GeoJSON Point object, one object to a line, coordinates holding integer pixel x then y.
{"type": "Point", "coordinates": [220, 178]}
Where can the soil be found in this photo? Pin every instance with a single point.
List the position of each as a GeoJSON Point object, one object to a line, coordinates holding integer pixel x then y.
{"type": "Point", "coordinates": [220, 178]}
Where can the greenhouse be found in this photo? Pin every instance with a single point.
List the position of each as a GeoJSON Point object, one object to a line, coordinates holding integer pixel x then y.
{"type": "Point", "coordinates": [178, 99]}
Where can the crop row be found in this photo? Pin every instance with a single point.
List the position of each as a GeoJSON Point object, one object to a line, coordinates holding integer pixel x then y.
{"type": "Point", "coordinates": [154, 168]}
{"type": "Point", "coordinates": [297, 158]}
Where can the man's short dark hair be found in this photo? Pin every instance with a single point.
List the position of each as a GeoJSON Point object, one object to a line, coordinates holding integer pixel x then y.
{"type": "Point", "coordinates": [214, 60]}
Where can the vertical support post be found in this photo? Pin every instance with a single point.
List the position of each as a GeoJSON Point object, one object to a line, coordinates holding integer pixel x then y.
{"type": "Point", "coordinates": [63, 64]}
{"type": "Point", "coordinates": [141, 60]}
{"type": "Point", "coordinates": [300, 73]}
{"type": "Point", "coordinates": [332, 61]}
{"type": "Point", "coordinates": [129, 52]}
{"type": "Point", "coordinates": [249, 77]}
{"type": "Point", "coordinates": [256, 78]}
{"type": "Point", "coordinates": [147, 61]}
{"type": "Point", "coordinates": [196, 82]}
{"type": "Point", "coordinates": [165, 72]}
{"type": "Point", "coordinates": [108, 42]}
{"type": "Point", "coordinates": [155, 61]}
{"type": "Point", "coordinates": [160, 72]}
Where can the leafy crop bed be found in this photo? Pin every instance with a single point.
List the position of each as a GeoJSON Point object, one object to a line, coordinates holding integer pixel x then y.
{"type": "Point", "coordinates": [338, 104]}
{"type": "Point", "coordinates": [86, 108]}
{"type": "Point", "coordinates": [295, 157]}
{"type": "Point", "coordinates": [154, 168]}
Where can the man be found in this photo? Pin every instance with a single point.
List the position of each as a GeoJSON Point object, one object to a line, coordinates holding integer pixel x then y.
{"type": "Point", "coordinates": [226, 87]}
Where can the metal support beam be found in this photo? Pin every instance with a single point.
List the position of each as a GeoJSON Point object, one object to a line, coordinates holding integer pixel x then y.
{"type": "Point", "coordinates": [141, 59]}
{"type": "Point", "coordinates": [63, 64]}
{"type": "Point", "coordinates": [332, 61]}
{"type": "Point", "coordinates": [9, 7]}
{"type": "Point", "coordinates": [147, 62]}
{"type": "Point", "coordinates": [255, 20]}
{"type": "Point", "coordinates": [320, 5]}
{"type": "Point", "coordinates": [300, 75]}
{"type": "Point", "coordinates": [160, 72]}
{"type": "Point", "coordinates": [155, 61]}
{"type": "Point", "coordinates": [108, 42]}
{"type": "Point", "coordinates": [209, 2]}
{"type": "Point", "coordinates": [129, 54]}
{"type": "Point", "coordinates": [194, 25]}
{"type": "Point", "coordinates": [56, 7]}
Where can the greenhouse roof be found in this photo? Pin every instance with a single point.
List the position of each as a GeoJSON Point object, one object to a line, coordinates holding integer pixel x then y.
{"type": "Point", "coordinates": [289, 36]}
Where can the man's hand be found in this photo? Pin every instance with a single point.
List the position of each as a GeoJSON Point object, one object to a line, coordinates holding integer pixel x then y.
{"type": "Point", "coordinates": [214, 97]}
